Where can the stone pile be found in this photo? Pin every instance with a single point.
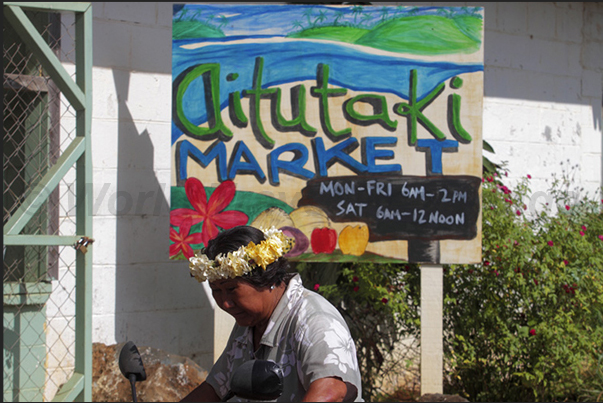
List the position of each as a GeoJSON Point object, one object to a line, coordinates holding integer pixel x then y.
{"type": "Point", "coordinates": [169, 377]}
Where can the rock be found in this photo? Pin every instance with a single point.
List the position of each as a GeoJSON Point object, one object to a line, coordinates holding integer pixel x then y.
{"type": "Point", "coordinates": [437, 397]}
{"type": "Point", "coordinates": [169, 377]}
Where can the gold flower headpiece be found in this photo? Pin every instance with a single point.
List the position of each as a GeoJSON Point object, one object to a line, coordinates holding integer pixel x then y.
{"type": "Point", "coordinates": [242, 260]}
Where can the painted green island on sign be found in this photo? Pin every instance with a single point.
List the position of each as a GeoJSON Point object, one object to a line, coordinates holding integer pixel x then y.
{"type": "Point", "coordinates": [422, 35]}
{"type": "Point", "coordinates": [414, 34]}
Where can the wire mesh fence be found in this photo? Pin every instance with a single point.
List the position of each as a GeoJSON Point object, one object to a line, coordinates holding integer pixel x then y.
{"type": "Point", "coordinates": [39, 281]}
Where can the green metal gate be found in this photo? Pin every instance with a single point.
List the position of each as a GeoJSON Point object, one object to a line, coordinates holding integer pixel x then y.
{"type": "Point", "coordinates": [47, 182]}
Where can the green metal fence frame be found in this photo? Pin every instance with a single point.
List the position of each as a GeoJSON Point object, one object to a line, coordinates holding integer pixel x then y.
{"type": "Point", "coordinates": [79, 94]}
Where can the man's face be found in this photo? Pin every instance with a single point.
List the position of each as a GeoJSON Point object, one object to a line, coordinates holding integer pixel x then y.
{"type": "Point", "coordinates": [248, 305]}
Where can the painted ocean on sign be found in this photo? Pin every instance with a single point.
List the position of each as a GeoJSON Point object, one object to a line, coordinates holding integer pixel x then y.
{"type": "Point", "coordinates": [292, 54]}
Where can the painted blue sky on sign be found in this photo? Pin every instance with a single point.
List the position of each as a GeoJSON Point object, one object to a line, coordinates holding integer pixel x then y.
{"type": "Point", "coordinates": [280, 20]}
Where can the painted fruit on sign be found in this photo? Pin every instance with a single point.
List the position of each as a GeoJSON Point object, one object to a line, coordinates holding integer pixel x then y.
{"type": "Point", "coordinates": [323, 240]}
{"type": "Point", "coordinates": [301, 241]}
{"type": "Point", "coordinates": [272, 217]}
{"type": "Point", "coordinates": [307, 218]}
{"type": "Point", "coordinates": [353, 240]}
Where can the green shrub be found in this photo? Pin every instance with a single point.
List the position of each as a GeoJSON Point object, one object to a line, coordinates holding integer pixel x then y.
{"type": "Point", "coordinates": [527, 323]}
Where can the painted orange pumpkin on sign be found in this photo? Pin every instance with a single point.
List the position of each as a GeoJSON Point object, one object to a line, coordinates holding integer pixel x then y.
{"type": "Point", "coordinates": [353, 240]}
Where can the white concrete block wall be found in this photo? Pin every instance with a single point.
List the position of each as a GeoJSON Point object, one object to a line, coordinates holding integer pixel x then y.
{"type": "Point", "coordinates": [542, 105]}
{"type": "Point", "coordinates": [139, 294]}
{"type": "Point", "coordinates": [543, 94]}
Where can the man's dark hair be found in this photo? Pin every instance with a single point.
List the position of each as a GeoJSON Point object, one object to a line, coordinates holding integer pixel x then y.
{"type": "Point", "coordinates": [232, 239]}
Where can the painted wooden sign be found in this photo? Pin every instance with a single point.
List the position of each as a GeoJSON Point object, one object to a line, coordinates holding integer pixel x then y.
{"type": "Point", "coordinates": [355, 129]}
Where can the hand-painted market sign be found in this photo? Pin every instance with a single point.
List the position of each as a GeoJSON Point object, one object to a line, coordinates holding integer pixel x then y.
{"type": "Point", "coordinates": [355, 129]}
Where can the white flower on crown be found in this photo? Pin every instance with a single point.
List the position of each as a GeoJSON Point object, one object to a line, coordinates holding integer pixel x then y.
{"type": "Point", "coordinates": [243, 260]}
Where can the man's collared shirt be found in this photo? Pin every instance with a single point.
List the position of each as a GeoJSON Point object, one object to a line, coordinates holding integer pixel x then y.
{"type": "Point", "coordinates": [306, 336]}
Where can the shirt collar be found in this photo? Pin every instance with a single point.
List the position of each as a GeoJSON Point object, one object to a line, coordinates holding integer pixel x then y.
{"type": "Point", "coordinates": [291, 297]}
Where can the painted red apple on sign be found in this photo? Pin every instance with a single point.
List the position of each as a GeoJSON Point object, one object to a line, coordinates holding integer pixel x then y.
{"type": "Point", "coordinates": [323, 240]}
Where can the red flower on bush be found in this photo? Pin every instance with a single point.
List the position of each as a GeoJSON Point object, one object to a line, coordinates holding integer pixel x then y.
{"type": "Point", "coordinates": [355, 279]}
{"type": "Point", "coordinates": [182, 239]}
{"type": "Point", "coordinates": [570, 290]}
{"type": "Point", "coordinates": [384, 300]}
{"type": "Point", "coordinates": [601, 237]}
{"type": "Point", "coordinates": [582, 233]}
{"type": "Point", "coordinates": [210, 212]}
{"type": "Point", "coordinates": [565, 262]}
{"type": "Point", "coordinates": [532, 332]}
{"type": "Point", "coordinates": [567, 207]}
{"type": "Point", "coordinates": [550, 243]}
{"type": "Point", "coordinates": [529, 176]}
{"type": "Point", "coordinates": [518, 212]}
{"type": "Point", "coordinates": [356, 288]}
{"type": "Point", "coordinates": [316, 287]}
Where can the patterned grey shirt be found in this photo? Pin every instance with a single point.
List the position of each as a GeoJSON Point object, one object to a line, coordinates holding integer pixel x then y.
{"type": "Point", "coordinates": [306, 335]}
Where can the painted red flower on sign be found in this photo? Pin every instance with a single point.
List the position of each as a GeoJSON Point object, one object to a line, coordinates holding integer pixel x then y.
{"type": "Point", "coordinates": [210, 212]}
{"type": "Point", "coordinates": [182, 241]}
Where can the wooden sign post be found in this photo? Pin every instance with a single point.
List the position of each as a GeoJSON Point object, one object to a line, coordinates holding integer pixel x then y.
{"type": "Point", "coordinates": [432, 345]}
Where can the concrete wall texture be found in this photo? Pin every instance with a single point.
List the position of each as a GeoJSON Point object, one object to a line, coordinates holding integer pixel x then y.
{"type": "Point", "coordinates": [542, 105]}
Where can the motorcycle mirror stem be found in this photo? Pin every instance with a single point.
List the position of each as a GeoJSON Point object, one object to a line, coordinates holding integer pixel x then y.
{"type": "Point", "coordinates": [131, 366]}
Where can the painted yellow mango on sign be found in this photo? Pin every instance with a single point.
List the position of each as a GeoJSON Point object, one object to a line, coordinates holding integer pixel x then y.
{"type": "Point", "coordinates": [353, 240]}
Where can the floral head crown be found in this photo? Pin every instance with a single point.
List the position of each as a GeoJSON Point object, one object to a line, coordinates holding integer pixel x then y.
{"type": "Point", "coordinates": [242, 260]}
